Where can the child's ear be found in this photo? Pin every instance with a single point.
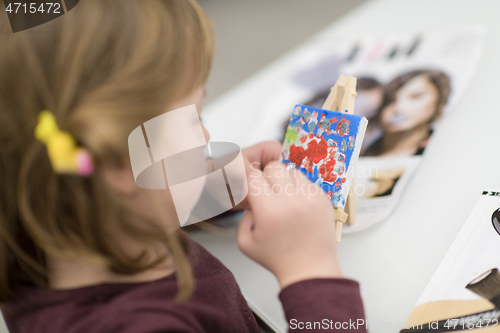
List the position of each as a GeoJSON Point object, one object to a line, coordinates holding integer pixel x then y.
{"type": "Point", "coordinates": [119, 178]}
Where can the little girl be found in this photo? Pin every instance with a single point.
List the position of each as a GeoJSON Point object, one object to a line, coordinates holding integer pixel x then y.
{"type": "Point", "coordinates": [82, 247]}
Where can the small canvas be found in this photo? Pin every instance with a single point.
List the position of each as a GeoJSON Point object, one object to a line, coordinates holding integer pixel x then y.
{"type": "Point", "coordinates": [325, 145]}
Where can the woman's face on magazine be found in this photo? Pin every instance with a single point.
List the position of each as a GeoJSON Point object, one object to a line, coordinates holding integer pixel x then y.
{"type": "Point", "coordinates": [414, 104]}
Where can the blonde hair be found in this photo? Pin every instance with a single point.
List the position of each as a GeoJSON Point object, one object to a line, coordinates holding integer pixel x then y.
{"type": "Point", "coordinates": [103, 68]}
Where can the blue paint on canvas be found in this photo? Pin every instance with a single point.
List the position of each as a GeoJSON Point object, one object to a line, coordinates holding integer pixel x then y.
{"type": "Point", "coordinates": [324, 145]}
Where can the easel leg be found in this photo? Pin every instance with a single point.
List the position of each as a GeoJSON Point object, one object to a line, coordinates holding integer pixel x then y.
{"type": "Point", "coordinates": [350, 206]}
{"type": "Point", "coordinates": [339, 231]}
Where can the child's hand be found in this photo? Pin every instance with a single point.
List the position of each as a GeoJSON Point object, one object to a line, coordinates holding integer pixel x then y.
{"type": "Point", "coordinates": [257, 157]}
{"type": "Point", "coordinates": [290, 227]}
{"type": "Point", "coordinates": [261, 154]}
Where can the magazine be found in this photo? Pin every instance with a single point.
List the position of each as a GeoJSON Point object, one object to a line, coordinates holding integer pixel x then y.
{"type": "Point", "coordinates": [406, 84]}
{"type": "Point", "coordinates": [464, 293]}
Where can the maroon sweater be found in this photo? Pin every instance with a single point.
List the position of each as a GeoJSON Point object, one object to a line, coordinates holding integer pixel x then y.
{"type": "Point", "coordinates": [217, 305]}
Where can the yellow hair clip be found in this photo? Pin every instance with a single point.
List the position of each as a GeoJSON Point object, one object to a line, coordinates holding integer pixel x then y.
{"type": "Point", "coordinates": [64, 154]}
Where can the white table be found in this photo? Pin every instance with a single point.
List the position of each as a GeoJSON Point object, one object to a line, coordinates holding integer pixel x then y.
{"type": "Point", "coordinates": [395, 259]}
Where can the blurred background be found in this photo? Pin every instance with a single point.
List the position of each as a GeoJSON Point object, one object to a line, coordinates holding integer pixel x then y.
{"type": "Point", "coordinates": [252, 34]}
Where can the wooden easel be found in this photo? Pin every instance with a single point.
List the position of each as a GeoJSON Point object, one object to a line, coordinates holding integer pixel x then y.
{"type": "Point", "coordinates": [341, 97]}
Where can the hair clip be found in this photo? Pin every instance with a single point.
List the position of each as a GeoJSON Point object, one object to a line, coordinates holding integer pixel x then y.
{"type": "Point", "coordinates": [64, 154]}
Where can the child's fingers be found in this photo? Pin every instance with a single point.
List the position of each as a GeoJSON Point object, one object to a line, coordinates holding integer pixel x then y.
{"type": "Point", "coordinates": [270, 151]}
{"type": "Point", "coordinates": [258, 187]}
{"type": "Point", "coordinates": [277, 174]}
{"type": "Point", "coordinates": [245, 232]}
{"type": "Point", "coordinates": [263, 153]}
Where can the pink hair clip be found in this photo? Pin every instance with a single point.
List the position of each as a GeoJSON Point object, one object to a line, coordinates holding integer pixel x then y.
{"type": "Point", "coordinates": [84, 163]}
